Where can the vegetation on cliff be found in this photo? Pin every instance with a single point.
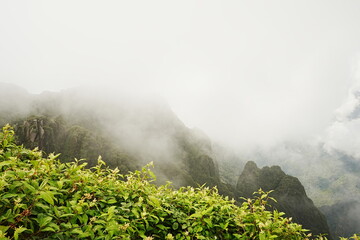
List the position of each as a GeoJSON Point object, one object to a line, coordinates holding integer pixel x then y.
{"type": "Point", "coordinates": [42, 198]}
{"type": "Point", "coordinates": [128, 133]}
{"type": "Point", "coordinates": [289, 192]}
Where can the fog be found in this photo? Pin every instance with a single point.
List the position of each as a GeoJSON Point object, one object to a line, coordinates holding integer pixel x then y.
{"type": "Point", "coordinates": [277, 82]}
{"type": "Point", "coordinates": [245, 72]}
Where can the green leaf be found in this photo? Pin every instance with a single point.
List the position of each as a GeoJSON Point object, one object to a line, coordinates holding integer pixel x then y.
{"type": "Point", "coordinates": [43, 184]}
{"type": "Point", "coordinates": [19, 231]}
{"type": "Point", "coordinates": [200, 237]}
{"type": "Point", "coordinates": [111, 210]}
{"type": "Point", "coordinates": [44, 221]}
{"type": "Point", "coordinates": [77, 231]}
{"type": "Point", "coordinates": [48, 229]}
{"type": "Point", "coordinates": [98, 228]}
{"type": "Point", "coordinates": [67, 215]}
{"type": "Point", "coordinates": [175, 226]}
{"type": "Point", "coordinates": [162, 227]}
{"type": "Point", "coordinates": [135, 212]}
{"type": "Point", "coordinates": [208, 221]}
{"type": "Point", "coordinates": [100, 222]}
{"type": "Point", "coordinates": [198, 228]}
{"type": "Point", "coordinates": [9, 195]}
{"type": "Point", "coordinates": [152, 175]}
{"type": "Point", "coordinates": [5, 163]}
{"type": "Point", "coordinates": [83, 219]}
{"type": "Point", "coordinates": [111, 201]}
{"type": "Point", "coordinates": [29, 187]}
{"type": "Point", "coordinates": [43, 206]}
{"type": "Point", "coordinates": [54, 226]}
{"type": "Point", "coordinates": [84, 235]}
{"type": "Point", "coordinates": [169, 237]}
{"type": "Point", "coordinates": [154, 201]}
{"type": "Point", "coordinates": [47, 196]}
{"type": "Point", "coordinates": [8, 213]}
{"type": "Point", "coordinates": [262, 236]}
{"type": "Point", "coordinates": [207, 210]}
{"type": "Point", "coordinates": [142, 234]}
{"type": "Point", "coordinates": [196, 215]}
{"type": "Point", "coordinates": [60, 184]}
{"type": "Point", "coordinates": [5, 143]}
{"type": "Point", "coordinates": [4, 228]}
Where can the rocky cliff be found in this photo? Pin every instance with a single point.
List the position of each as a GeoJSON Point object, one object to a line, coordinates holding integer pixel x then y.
{"type": "Point", "coordinates": [53, 134]}
{"type": "Point", "coordinates": [127, 132]}
{"type": "Point", "coordinates": [287, 190]}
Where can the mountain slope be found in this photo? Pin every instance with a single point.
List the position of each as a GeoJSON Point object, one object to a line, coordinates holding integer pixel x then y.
{"type": "Point", "coordinates": [289, 192]}
{"type": "Point", "coordinates": [127, 132]}
{"type": "Point", "coordinates": [43, 198]}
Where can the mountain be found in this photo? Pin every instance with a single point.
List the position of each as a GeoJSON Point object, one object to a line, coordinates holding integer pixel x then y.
{"type": "Point", "coordinates": [129, 132]}
{"type": "Point", "coordinates": [287, 190]}
{"type": "Point", "coordinates": [67, 201]}
{"type": "Point", "coordinates": [330, 179]}
{"type": "Point", "coordinates": [53, 134]}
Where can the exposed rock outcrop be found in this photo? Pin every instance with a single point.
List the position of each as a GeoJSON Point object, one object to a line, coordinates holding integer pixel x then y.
{"type": "Point", "coordinates": [127, 133]}
{"type": "Point", "coordinates": [287, 190]}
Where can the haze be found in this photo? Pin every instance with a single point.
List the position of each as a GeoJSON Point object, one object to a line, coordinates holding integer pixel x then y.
{"type": "Point", "coordinates": [245, 72]}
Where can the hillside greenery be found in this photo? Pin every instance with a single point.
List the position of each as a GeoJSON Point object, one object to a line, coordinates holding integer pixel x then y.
{"type": "Point", "coordinates": [43, 198]}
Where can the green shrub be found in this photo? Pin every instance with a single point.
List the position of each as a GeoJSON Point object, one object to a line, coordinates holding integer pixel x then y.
{"type": "Point", "coordinates": [42, 198]}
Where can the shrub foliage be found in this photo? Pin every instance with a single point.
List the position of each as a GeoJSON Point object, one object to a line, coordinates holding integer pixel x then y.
{"type": "Point", "coordinates": [43, 198]}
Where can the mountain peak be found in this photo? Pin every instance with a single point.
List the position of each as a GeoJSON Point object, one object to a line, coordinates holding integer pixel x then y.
{"type": "Point", "coordinates": [289, 192]}
{"type": "Point", "coordinates": [250, 166]}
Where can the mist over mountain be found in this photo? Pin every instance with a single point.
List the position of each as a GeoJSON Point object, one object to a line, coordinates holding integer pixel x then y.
{"type": "Point", "coordinates": [246, 72]}
{"type": "Point", "coordinates": [327, 164]}
{"type": "Point", "coordinates": [129, 131]}
{"type": "Point", "coordinates": [200, 88]}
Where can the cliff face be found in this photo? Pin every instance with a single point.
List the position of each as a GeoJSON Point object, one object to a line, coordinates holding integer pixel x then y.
{"type": "Point", "coordinates": [53, 134]}
{"type": "Point", "coordinates": [288, 191]}
{"type": "Point", "coordinates": [191, 163]}
{"type": "Point", "coordinates": [127, 134]}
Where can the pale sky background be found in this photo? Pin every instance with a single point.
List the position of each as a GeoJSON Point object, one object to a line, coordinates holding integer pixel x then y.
{"type": "Point", "coordinates": [245, 72]}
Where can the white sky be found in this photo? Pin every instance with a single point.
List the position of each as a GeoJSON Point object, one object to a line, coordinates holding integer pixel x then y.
{"type": "Point", "coordinates": [243, 71]}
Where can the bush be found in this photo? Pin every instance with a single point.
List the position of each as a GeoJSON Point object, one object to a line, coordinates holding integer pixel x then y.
{"type": "Point", "coordinates": [42, 198]}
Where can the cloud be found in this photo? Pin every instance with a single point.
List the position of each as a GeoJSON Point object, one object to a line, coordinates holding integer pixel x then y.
{"type": "Point", "coordinates": [245, 72]}
{"type": "Point", "coordinates": [342, 134]}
